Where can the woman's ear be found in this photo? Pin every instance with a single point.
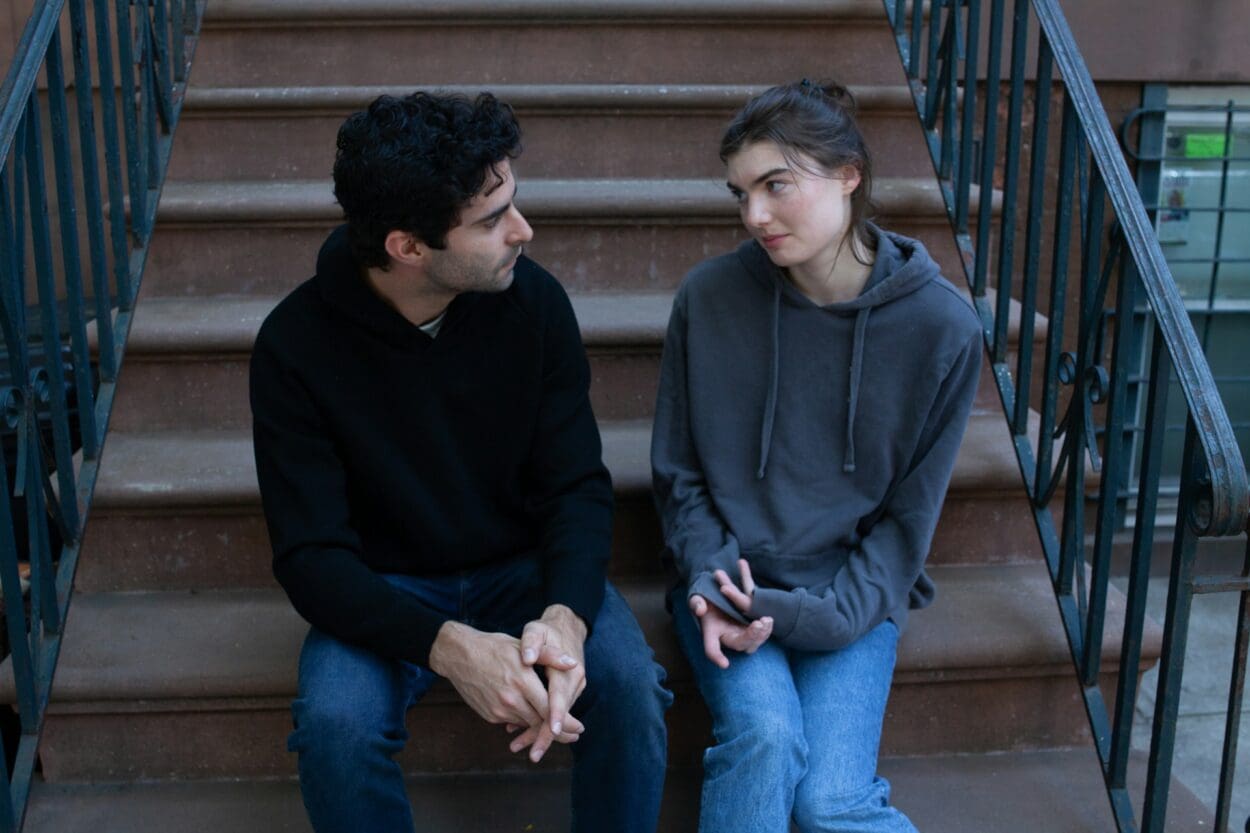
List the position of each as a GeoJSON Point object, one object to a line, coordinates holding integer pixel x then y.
{"type": "Point", "coordinates": [850, 178]}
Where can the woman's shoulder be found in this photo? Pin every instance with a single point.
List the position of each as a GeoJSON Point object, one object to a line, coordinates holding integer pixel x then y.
{"type": "Point", "coordinates": [720, 276]}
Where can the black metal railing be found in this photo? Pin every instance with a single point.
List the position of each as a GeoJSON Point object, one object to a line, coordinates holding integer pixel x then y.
{"type": "Point", "coordinates": [1193, 173]}
{"type": "Point", "coordinates": [56, 392]}
{"type": "Point", "coordinates": [1075, 213]}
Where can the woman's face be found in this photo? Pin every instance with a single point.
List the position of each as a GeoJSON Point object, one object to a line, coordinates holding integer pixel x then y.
{"type": "Point", "coordinates": [798, 216]}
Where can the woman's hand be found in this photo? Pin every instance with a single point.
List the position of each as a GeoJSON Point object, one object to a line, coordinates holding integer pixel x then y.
{"type": "Point", "coordinates": [739, 598]}
{"type": "Point", "coordinates": [718, 629]}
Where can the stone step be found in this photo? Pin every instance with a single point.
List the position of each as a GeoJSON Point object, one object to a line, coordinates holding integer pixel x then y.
{"type": "Point", "coordinates": [256, 238]}
{"type": "Point", "coordinates": [198, 683]}
{"type": "Point", "coordinates": [186, 358]}
{"type": "Point", "coordinates": [181, 510]}
{"type": "Point", "coordinates": [1051, 791]}
{"type": "Point", "coordinates": [424, 42]}
{"type": "Point", "coordinates": [570, 130]}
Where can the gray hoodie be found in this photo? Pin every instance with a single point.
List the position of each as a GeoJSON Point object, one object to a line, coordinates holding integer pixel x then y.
{"type": "Point", "coordinates": [816, 442]}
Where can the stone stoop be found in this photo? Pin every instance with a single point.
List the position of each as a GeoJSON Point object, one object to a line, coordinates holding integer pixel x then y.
{"type": "Point", "coordinates": [941, 794]}
{"type": "Point", "coordinates": [170, 708]}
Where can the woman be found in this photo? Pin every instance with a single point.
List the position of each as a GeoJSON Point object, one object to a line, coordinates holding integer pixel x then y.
{"type": "Point", "coordinates": [814, 391]}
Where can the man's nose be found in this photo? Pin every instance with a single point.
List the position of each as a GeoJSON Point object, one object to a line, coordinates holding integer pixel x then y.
{"type": "Point", "coordinates": [521, 232]}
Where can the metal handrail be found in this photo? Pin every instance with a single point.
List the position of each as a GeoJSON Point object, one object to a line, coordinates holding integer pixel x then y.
{"type": "Point", "coordinates": [56, 396]}
{"type": "Point", "coordinates": [1229, 499]}
{"type": "Point", "coordinates": [953, 52]}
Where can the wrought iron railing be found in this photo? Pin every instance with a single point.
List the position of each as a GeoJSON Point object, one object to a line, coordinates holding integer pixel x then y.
{"type": "Point", "coordinates": [1082, 216]}
{"type": "Point", "coordinates": [130, 56]}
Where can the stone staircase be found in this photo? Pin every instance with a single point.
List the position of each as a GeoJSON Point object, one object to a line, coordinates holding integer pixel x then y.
{"type": "Point", "coordinates": [171, 705]}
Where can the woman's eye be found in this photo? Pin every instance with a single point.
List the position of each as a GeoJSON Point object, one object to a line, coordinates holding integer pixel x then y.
{"type": "Point", "coordinates": [738, 196]}
{"type": "Point", "coordinates": [774, 186]}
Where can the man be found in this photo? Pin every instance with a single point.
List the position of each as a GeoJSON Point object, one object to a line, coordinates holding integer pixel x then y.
{"type": "Point", "coordinates": [432, 481]}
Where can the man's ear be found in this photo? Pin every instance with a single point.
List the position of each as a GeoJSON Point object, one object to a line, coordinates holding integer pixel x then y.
{"type": "Point", "coordinates": [404, 247]}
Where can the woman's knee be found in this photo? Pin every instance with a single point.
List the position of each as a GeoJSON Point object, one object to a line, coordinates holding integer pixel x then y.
{"type": "Point", "coordinates": [866, 806]}
{"type": "Point", "coordinates": [769, 740]}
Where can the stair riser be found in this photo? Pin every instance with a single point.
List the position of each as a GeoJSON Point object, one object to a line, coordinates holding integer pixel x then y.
{"type": "Point", "coordinates": [560, 145]}
{"type": "Point", "coordinates": [210, 392]}
{"type": "Point", "coordinates": [931, 717]}
{"type": "Point", "coordinates": [511, 51]}
{"type": "Point", "coordinates": [127, 552]}
{"type": "Point", "coordinates": [261, 259]}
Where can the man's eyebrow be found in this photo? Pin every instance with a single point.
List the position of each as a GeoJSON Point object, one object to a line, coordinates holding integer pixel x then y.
{"type": "Point", "coordinates": [766, 175]}
{"type": "Point", "coordinates": [499, 212]}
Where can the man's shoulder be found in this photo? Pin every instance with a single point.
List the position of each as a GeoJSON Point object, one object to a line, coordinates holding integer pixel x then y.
{"type": "Point", "coordinates": [297, 318]}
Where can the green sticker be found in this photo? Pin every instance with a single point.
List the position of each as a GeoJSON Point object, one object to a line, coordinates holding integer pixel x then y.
{"type": "Point", "coordinates": [1205, 146]}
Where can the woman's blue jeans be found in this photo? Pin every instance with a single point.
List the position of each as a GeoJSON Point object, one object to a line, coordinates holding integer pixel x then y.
{"type": "Point", "coordinates": [349, 716]}
{"type": "Point", "coordinates": [797, 735]}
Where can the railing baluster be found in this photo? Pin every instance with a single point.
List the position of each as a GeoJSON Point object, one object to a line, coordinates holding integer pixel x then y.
{"type": "Point", "coordinates": [950, 94]}
{"type": "Point", "coordinates": [176, 12]}
{"type": "Point", "coordinates": [963, 184]}
{"type": "Point", "coordinates": [161, 59]}
{"type": "Point", "coordinates": [1007, 221]}
{"type": "Point", "coordinates": [917, 25]}
{"type": "Point", "coordinates": [989, 149]}
{"type": "Point", "coordinates": [1032, 239]}
{"type": "Point", "coordinates": [1113, 469]}
{"type": "Point", "coordinates": [112, 159]}
{"type": "Point", "coordinates": [48, 317]}
{"type": "Point", "coordinates": [93, 202]}
{"type": "Point", "coordinates": [1154, 433]}
{"type": "Point", "coordinates": [932, 85]}
{"type": "Point", "coordinates": [71, 260]}
{"type": "Point", "coordinates": [149, 101]}
{"type": "Point", "coordinates": [1058, 291]}
{"type": "Point", "coordinates": [1175, 639]}
{"type": "Point", "coordinates": [1236, 691]}
{"type": "Point", "coordinates": [136, 164]}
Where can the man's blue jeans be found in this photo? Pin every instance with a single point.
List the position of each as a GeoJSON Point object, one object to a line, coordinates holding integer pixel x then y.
{"type": "Point", "coordinates": [797, 735]}
{"type": "Point", "coordinates": [349, 716]}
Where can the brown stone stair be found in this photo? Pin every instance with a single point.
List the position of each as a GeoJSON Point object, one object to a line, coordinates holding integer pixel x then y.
{"type": "Point", "coordinates": [262, 237]}
{"type": "Point", "coordinates": [171, 704]}
{"type": "Point", "coordinates": [587, 131]}
{"type": "Point", "coordinates": [181, 509]}
{"type": "Point", "coordinates": [194, 684]}
{"type": "Point", "coordinates": [428, 42]}
{"type": "Point", "coordinates": [1049, 791]}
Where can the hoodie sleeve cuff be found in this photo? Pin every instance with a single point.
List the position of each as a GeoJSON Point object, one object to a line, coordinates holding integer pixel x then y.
{"type": "Point", "coordinates": [702, 584]}
{"type": "Point", "coordinates": [782, 605]}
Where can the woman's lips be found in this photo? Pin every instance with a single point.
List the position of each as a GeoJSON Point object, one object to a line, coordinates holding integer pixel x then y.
{"type": "Point", "coordinates": [773, 240]}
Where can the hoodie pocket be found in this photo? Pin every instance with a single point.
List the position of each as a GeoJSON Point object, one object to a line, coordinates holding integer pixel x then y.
{"type": "Point", "coordinates": [786, 571]}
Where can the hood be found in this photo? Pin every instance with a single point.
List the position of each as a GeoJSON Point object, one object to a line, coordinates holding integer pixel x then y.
{"type": "Point", "coordinates": [902, 266]}
{"type": "Point", "coordinates": [342, 284]}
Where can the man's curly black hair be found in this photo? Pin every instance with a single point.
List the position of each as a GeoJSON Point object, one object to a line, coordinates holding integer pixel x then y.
{"type": "Point", "coordinates": [413, 163]}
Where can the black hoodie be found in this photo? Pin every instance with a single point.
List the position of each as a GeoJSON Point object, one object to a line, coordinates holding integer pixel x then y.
{"type": "Point", "coordinates": [382, 450]}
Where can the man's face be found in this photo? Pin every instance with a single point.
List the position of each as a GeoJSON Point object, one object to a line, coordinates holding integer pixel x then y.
{"type": "Point", "coordinates": [483, 248]}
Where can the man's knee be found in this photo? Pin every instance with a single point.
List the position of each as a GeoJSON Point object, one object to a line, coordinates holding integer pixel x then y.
{"type": "Point", "coordinates": [623, 680]}
{"type": "Point", "coordinates": [338, 724]}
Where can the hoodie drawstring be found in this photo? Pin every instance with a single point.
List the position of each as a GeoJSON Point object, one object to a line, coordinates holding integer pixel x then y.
{"type": "Point", "coordinates": [857, 367]}
{"type": "Point", "coordinates": [770, 407]}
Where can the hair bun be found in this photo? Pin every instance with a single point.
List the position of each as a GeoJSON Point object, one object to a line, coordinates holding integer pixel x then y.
{"type": "Point", "coordinates": [838, 93]}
